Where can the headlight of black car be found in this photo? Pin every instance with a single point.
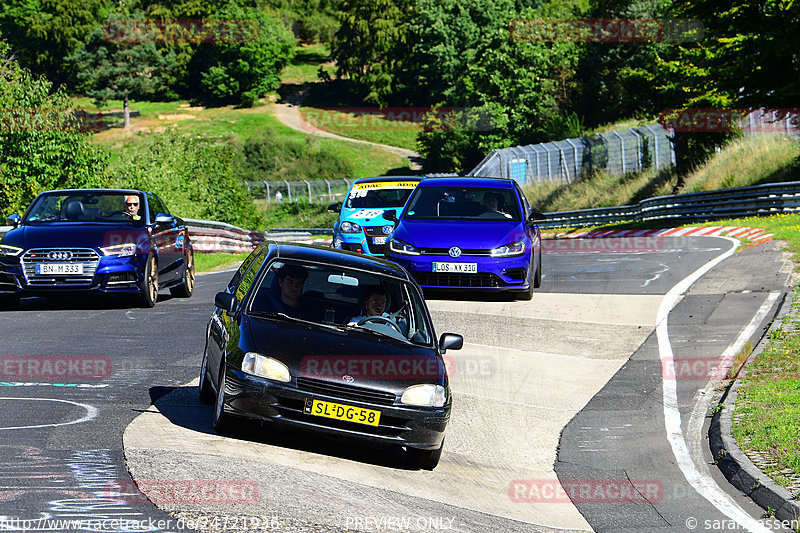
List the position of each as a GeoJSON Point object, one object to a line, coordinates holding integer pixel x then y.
{"type": "Point", "coordinates": [265, 367]}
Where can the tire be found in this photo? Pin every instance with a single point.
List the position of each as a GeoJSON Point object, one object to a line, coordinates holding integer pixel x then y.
{"type": "Point", "coordinates": [424, 459]}
{"type": "Point", "coordinates": [221, 421]}
{"type": "Point", "coordinates": [149, 288]}
{"type": "Point", "coordinates": [537, 280]}
{"type": "Point", "coordinates": [9, 302]}
{"type": "Point", "coordinates": [204, 391]}
{"type": "Point", "coordinates": [186, 287]}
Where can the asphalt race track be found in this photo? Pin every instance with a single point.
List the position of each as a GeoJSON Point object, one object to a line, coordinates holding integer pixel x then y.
{"type": "Point", "coordinates": [563, 418]}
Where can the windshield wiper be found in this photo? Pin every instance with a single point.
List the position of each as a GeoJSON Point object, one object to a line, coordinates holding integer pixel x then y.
{"type": "Point", "coordinates": [401, 337]}
{"type": "Point", "coordinates": [275, 314]}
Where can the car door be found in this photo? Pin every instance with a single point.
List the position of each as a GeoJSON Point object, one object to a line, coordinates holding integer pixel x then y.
{"type": "Point", "coordinates": [531, 229]}
{"type": "Point", "coordinates": [168, 237]}
{"type": "Point", "coordinates": [223, 329]}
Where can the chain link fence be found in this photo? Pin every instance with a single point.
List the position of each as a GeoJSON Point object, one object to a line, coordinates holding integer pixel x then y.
{"type": "Point", "coordinates": [569, 160]}
{"type": "Point", "coordinates": [319, 191]}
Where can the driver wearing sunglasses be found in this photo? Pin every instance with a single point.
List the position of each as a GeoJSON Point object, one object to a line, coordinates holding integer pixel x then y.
{"type": "Point", "coordinates": [132, 207]}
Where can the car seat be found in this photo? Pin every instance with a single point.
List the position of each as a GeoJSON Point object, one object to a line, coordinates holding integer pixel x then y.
{"type": "Point", "coordinates": [74, 210]}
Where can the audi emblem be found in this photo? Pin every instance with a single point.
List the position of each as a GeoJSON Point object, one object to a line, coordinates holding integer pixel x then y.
{"type": "Point", "coordinates": [348, 378]}
{"type": "Point", "coordinates": [59, 255]}
{"type": "Point", "coordinates": [455, 251]}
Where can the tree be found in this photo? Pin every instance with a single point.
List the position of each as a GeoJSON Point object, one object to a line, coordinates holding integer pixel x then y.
{"type": "Point", "coordinates": [43, 32]}
{"type": "Point", "coordinates": [245, 61]}
{"type": "Point", "coordinates": [118, 65]}
{"type": "Point", "coordinates": [370, 45]}
{"type": "Point", "coordinates": [41, 143]}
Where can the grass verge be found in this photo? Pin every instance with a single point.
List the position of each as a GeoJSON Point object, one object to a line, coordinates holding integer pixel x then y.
{"type": "Point", "coordinates": [215, 262]}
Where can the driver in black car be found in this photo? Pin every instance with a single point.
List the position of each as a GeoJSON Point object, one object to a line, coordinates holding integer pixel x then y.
{"type": "Point", "coordinates": [375, 298]}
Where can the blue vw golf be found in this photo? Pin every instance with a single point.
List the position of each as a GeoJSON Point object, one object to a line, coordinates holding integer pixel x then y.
{"type": "Point", "coordinates": [76, 241]}
{"type": "Point", "coordinates": [470, 233]}
{"type": "Point", "coordinates": [362, 225]}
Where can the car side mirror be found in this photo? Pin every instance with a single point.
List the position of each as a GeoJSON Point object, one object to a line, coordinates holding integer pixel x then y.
{"type": "Point", "coordinates": [14, 220]}
{"type": "Point", "coordinates": [163, 218]}
{"type": "Point", "coordinates": [389, 214]}
{"type": "Point", "coordinates": [335, 208]}
{"type": "Point", "coordinates": [225, 301]}
{"type": "Point", "coordinates": [450, 341]}
{"type": "Point", "coordinates": [538, 217]}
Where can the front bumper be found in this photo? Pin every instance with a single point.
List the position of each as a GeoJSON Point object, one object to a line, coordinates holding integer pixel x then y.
{"type": "Point", "coordinates": [103, 274]}
{"type": "Point", "coordinates": [494, 273]}
{"type": "Point", "coordinates": [283, 403]}
{"type": "Point", "coordinates": [361, 243]}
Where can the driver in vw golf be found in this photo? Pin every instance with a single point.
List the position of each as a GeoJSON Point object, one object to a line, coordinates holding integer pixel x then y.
{"type": "Point", "coordinates": [374, 304]}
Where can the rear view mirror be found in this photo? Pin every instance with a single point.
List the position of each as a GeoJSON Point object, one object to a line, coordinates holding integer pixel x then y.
{"type": "Point", "coordinates": [335, 208]}
{"type": "Point", "coordinates": [389, 214]}
{"type": "Point", "coordinates": [13, 221]}
{"type": "Point", "coordinates": [451, 341]}
{"type": "Point", "coordinates": [538, 217]}
{"type": "Point", "coordinates": [343, 280]}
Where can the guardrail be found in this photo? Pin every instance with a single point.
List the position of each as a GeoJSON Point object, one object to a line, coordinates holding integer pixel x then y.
{"type": "Point", "coordinates": [756, 200]}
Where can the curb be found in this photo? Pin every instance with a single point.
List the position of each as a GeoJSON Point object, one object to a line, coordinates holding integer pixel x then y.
{"type": "Point", "coordinates": [737, 468]}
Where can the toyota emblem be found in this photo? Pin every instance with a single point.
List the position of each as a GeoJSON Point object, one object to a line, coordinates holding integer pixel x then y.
{"type": "Point", "coordinates": [59, 255]}
{"type": "Point", "coordinates": [348, 378]}
{"type": "Point", "coordinates": [387, 230]}
{"type": "Point", "coordinates": [455, 251]}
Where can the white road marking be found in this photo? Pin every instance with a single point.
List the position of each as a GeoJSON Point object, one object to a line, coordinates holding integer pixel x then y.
{"type": "Point", "coordinates": [91, 412]}
{"type": "Point", "coordinates": [703, 484]}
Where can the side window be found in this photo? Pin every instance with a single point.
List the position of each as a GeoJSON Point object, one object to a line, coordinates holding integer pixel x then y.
{"type": "Point", "coordinates": [151, 207]}
{"type": "Point", "coordinates": [159, 205]}
{"type": "Point", "coordinates": [249, 275]}
{"type": "Point", "coordinates": [525, 205]}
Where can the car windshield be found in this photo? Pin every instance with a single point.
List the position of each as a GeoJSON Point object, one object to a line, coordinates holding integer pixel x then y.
{"type": "Point", "coordinates": [459, 203]}
{"type": "Point", "coordinates": [380, 194]}
{"type": "Point", "coordinates": [86, 206]}
{"type": "Point", "coordinates": [332, 296]}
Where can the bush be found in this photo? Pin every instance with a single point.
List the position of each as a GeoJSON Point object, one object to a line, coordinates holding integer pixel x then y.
{"type": "Point", "coordinates": [195, 177]}
{"type": "Point", "coordinates": [41, 143]}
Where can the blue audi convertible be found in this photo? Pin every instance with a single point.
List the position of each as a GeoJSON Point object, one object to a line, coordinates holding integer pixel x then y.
{"type": "Point", "coordinates": [470, 233]}
{"type": "Point", "coordinates": [76, 241]}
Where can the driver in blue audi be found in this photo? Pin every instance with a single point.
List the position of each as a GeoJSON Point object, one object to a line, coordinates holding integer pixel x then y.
{"type": "Point", "coordinates": [375, 299]}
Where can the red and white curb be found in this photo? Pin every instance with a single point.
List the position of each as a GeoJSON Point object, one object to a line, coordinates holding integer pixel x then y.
{"type": "Point", "coordinates": [753, 235]}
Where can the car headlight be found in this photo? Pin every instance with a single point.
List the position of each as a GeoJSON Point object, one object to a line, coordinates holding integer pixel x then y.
{"type": "Point", "coordinates": [9, 251]}
{"type": "Point", "coordinates": [425, 395]}
{"type": "Point", "coordinates": [401, 247]}
{"type": "Point", "coordinates": [349, 227]}
{"type": "Point", "coordinates": [121, 250]}
{"type": "Point", "coordinates": [515, 248]}
{"type": "Point", "coordinates": [266, 367]}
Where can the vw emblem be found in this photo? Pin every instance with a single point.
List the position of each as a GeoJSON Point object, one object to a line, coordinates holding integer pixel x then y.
{"type": "Point", "coordinates": [59, 256]}
{"type": "Point", "coordinates": [455, 251]}
{"type": "Point", "coordinates": [348, 378]}
{"type": "Point", "coordinates": [387, 230]}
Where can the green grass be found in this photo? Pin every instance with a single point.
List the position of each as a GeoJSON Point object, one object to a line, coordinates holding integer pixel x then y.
{"type": "Point", "coordinates": [215, 262]}
{"type": "Point", "coordinates": [297, 215]}
{"type": "Point", "coordinates": [306, 63]}
{"type": "Point", "coordinates": [768, 404]}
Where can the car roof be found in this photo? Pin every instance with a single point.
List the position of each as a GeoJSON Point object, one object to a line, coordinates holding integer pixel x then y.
{"type": "Point", "coordinates": [467, 181]}
{"type": "Point", "coordinates": [310, 253]}
{"type": "Point", "coordinates": [387, 178]}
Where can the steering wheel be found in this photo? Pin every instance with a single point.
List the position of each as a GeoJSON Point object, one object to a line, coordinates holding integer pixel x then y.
{"type": "Point", "coordinates": [376, 318]}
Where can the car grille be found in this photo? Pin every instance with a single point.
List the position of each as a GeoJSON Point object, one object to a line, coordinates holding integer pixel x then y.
{"type": "Point", "coordinates": [88, 257]}
{"type": "Point", "coordinates": [441, 279]}
{"type": "Point", "coordinates": [375, 231]}
{"type": "Point", "coordinates": [446, 251]}
{"type": "Point", "coordinates": [345, 392]}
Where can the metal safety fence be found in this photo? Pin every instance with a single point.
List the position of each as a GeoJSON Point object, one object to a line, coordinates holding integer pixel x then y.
{"type": "Point", "coordinates": [311, 191]}
{"type": "Point", "coordinates": [569, 160]}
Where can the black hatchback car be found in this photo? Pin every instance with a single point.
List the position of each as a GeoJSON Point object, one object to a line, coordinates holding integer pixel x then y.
{"type": "Point", "coordinates": [330, 341]}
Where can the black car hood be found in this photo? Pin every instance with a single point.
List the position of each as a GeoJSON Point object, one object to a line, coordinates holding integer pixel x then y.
{"type": "Point", "coordinates": [354, 357]}
{"type": "Point", "coordinates": [78, 235]}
